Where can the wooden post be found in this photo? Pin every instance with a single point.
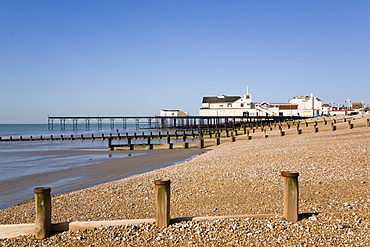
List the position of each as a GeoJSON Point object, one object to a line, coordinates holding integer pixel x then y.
{"type": "Point", "coordinates": [43, 225]}
{"type": "Point", "coordinates": [168, 138]}
{"type": "Point", "coordinates": [350, 125]}
{"type": "Point", "coordinates": [148, 140]}
{"type": "Point", "coordinates": [264, 134]}
{"type": "Point", "coordinates": [315, 129]}
{"type": "Point", "coordinates": [291, 195]}
{"type": "Point", "coordinates": [110, 147]}
{"type": "Point", "coordinates": [282, 133]}
{"type": "Point", "coordinates": [299, 131]}
{"type": "Point", "coordinates": [186, 145]}
{"type": "Point", "coordinates": [162, 199]}
{"type": "Point", "coordinates": [248, 136]}
{"type": "Point", "coordinates": [368, 122]}
{"type": "Point", "coordinates": [333, 127]}
{"type": "Point", "coordinates": [170, 145]}
{"type": "Point", "coordinates": [201, 143]}
{"type": "Point", "coordinates": [218, 140]}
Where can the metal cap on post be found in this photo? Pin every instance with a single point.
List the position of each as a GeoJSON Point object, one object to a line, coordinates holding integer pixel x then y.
{"type": "Point", "coordinates": [291, 195]}
{"type": "Point", "coordinates": [162, 199]}
{"type": "Point", "coordinates": [43, 225]}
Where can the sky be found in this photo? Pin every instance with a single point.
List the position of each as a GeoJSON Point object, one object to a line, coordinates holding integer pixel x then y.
{"type": "Point", "coordinates": [134, 58]}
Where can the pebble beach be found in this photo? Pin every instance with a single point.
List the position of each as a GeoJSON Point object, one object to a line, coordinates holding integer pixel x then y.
{"type": "Point", "coordinates": [234, 178]}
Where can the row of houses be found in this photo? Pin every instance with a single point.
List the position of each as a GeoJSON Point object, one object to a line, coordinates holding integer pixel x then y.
{"type": "Point", "coordinates": [223, 105]}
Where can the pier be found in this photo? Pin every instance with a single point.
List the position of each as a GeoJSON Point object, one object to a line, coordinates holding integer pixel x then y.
{"type": "Point", "coordinates": [162, 122]}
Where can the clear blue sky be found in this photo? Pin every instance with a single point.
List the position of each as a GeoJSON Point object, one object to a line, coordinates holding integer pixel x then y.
{"type": "Point", "coordinates": [77, 57]}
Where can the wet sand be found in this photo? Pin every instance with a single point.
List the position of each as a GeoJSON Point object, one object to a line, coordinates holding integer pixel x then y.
{"type": "Point", "coordinates": [21, 189]}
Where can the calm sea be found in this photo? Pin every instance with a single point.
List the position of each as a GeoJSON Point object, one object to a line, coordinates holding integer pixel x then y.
{"type": "Point", "coordinates": [18, 159]}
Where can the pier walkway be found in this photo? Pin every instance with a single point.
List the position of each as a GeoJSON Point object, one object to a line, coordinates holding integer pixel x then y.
{"type": "Point", "coordinates": [161, 122]}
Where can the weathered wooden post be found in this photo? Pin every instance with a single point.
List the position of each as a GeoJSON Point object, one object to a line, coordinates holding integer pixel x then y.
{"type": "Point", "coordinates": [368, 122]}
{"type": "Point", "coordinates": [162, 199]}
{"type": "Point", "coordinates": [299, 131]}
{"type": "Point", "coordinates": [186, 145]}
{"type": "Point", "coordinates": [282, 133]}
{"type": "Point", "coordinates": [110, 147]}
{"type": "Point", "coordinates": [265, 134]}
{"type": "Point", "coordinates": [248, 137]}
{"type": "Point", "coordinates": [232, 136]}
{"type": "Point", "coordinates": [170, 145]}
{"type": "Point", "coordinates": [201, 143]}
{"type": "Point", "coordinates": [148, 140]}
{"type": "Point", "coordinates": [218, 140]}
{"type": "Point", "coordinates": [315, 129]}
{"type": "Point", "coordinates": [291, 195]}
{"type": "Point", "coordinates": [333, 127]}
{"type": "Point", "coordinates": [350, 125]}
{"type": "Point", "coordinates": [43, 225]}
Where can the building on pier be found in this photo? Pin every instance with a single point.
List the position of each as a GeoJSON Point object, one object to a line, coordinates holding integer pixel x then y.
{"type": "Point", "coordinates": [173, 113]}
{"type": "Point", "coordinates": [223, 105]}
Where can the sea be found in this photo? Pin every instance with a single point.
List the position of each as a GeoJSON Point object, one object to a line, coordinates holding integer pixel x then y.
{"type": "Point", "coordinates": [23, 158]}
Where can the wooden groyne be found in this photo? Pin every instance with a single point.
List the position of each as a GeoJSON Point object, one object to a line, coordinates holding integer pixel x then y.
{"type": "Point", "coordinates": [206, 137]}
{"type": "Point", "coordinates": [43, 227]}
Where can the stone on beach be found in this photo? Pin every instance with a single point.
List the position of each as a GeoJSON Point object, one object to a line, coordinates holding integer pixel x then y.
{"type": "Point", "coordinates": [235, 178]}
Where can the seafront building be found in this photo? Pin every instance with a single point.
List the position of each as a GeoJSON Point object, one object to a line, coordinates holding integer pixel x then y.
{"type": "Point", "coordinates": [173, 113]}
{"type": "Point", "coordinates": [222, 105]}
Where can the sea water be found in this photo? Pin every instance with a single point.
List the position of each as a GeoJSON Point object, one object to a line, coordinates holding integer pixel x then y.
{"type": "Point", "coordinates": [23, 158]}
{"type": "Point", "coordinates": [19, 159]}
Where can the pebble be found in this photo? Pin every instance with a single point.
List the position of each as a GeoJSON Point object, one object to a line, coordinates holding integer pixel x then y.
{"type": "Point", "coordinates": [236, 178]}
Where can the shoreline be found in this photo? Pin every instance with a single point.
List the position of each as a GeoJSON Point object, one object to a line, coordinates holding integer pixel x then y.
{"type": "Point", "coordinates": [20, 190]}
{"type": "Point", "coordinates": [234, 178]}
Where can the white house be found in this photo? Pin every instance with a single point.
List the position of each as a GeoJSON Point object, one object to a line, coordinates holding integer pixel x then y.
{"type": "Point", "coordinates": [308, 106]}
{"type": "Point", "coordinates": [223, 105]}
